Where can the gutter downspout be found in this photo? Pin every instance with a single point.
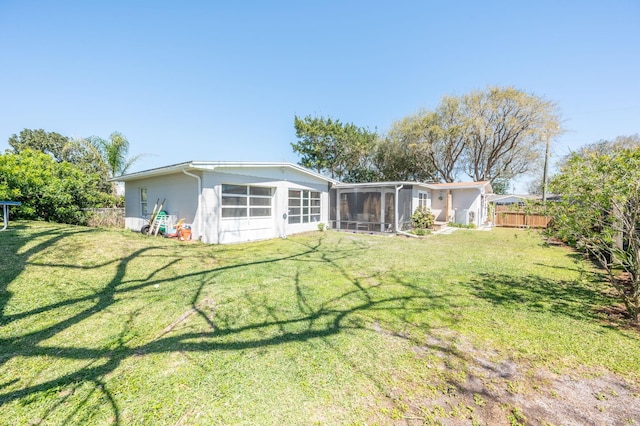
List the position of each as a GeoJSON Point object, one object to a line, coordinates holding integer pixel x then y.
{"type": "Point", "coordinates": [395, 214]}
{"type": "Point", "coordinates": [198, 209]}
{"type": "Point", "coordinates": [338, 216]}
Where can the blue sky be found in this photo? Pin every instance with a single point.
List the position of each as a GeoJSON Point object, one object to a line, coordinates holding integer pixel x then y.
{"type": "Point", "coordinates": [223, 80]}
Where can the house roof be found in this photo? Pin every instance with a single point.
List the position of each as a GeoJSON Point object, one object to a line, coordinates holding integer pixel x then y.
{"type": "Point", "coordinates": [511, 198]}
{"type": "Point", "coordinates": [439, 186]}
{"type": "Point", "coordinates": [500, 197]}
{"type": "Point", "coordinates": [215, 165]}
{"type": "Point", "coordinates": [463, 185]}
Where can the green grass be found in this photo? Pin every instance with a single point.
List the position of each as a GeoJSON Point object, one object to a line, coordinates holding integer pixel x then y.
{"type": "Point", "coordinates": [102, 326]}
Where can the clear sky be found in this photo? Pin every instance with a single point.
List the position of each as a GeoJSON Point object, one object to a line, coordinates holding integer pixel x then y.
{"type": "Point", "coordinates": [213, 80]}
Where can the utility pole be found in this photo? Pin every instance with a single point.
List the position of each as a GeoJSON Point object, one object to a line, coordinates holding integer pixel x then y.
{"type": "Point", "coordinates": [544, 173]}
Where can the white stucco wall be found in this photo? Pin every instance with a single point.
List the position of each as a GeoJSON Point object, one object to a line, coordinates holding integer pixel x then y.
{"type": "Point", "coordinates": [178, 190]}
{"type": "Point", "coordinates": [467, 199]}
{"type": "Point", "coordinates": [221, 230]}
{"type": "Point", "coordinates": [182, 201]}
{"type": "Point", "coordinates": [439, 205]}
{"type": "Point", "coordinates": [461, 199]}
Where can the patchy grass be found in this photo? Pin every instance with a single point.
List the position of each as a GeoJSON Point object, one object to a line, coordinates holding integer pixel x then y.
{"type": "Point", "coordinates": [104, 327]}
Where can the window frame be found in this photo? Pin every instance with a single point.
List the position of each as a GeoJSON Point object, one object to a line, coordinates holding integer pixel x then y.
{"type": "Point", "coordinates": [305, 208]}
{"type": "Point", "coordinates": [144, 201]}
{"type": "Point", "coordinates": [250, 201]}
{"type": "Point", "coordinates": [424, 199]}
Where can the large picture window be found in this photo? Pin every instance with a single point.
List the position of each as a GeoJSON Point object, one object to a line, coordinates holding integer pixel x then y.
{"type": "Point", "coordinates": [304, 206]}
{"type": "Point", "coordinates": [246, 201]}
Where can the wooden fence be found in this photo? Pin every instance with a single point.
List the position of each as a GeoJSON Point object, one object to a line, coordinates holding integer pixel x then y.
{"type": "Point", "coordinates": [516, 217]}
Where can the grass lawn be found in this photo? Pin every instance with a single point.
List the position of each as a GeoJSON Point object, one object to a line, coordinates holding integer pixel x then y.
{"type": "Point", "coordinates": [113, 327]}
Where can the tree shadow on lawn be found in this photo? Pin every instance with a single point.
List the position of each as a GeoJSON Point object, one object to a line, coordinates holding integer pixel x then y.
{"type": "Point", "coordinates": [14, 259]}
{"type": "Point", "coordinates": [571, 298]}
{"type": "Point", "coordinates": [319, 321]}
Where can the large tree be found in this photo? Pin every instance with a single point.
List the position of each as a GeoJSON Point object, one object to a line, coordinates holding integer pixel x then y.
{"type": "Point", "coordinates": [114, 153]}
{"type": "Point", "coordinates": [332, 147]}
{"type": "Point", "coordinates": [107, 158]}
{"type": "Point", "coordinates": [51, 143]}
{"type": "Point", "coordinates": [600, 214]}
{"type": "Point", "coordinates": [492, 135]}
{"type": "Point", "coordinates": [401, 154]}
{"type": "Point", "coordinates": [433, 142]}
{"type": "Point", "coordinates": [506, 131]}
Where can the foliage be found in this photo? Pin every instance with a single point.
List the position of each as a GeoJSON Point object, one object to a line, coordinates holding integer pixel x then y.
{"type": "Point", "coordinates": [48, 190]}
{"type": "Point", "coordinates": [361, 174]}
{"type": "Point", "coordinates": [492, 135]}
{"type": "Point", "coordinates": [83, 155]}
{"type": "Point", "coordinates": [93, 155]}
{"type": "Point", "coordinates": [433, 142]}
{"type": "Point", "coordinates": [422, 218]}
{"type": "Point", "coordinates": [402, 154]}
{"type": "Point", "coordinates": [604, 147]}
{"type": "Point", "coordinates": [534, 186]}
{"type": "Point", "coordinates": [500, 186]}
{"type": "Point", "coordinates": [395, 160]}
{"type": "Point", "coordinates": [330, 146]}
{"type": "Point", "coordinates": [114, 153]}
{"type": "Point", "coordinates": [50, 143]}
{"type": "Point", "coordinates": [506, 131]}
{"type": "Point", "coordinates": [600, 214]}
{"type": "Point", "coordinates": [61, 148]}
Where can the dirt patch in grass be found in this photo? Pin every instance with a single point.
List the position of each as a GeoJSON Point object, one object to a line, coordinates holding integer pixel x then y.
{"type": "Point", "coordinates": [516, 394]}
{"type": "Point", "coordinates": [484, 388]}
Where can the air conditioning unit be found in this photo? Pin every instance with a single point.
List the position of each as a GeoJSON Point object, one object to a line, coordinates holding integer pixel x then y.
{"type": "Point", "coordinates": [462, 217]}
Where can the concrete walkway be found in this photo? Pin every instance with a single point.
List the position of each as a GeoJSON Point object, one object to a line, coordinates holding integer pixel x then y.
{"type": "Point", "coordinates": [446, 230]}
{"type": "Point", "coordinates": [451, 229]}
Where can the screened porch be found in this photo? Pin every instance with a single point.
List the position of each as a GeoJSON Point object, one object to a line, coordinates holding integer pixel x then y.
{"type": "Point", "coordinates": [370, 208]}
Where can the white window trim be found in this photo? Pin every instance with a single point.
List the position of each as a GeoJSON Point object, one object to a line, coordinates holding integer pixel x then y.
{"type": "Point", "coordinates": [312, 217]}
{"type": "Point", "coordinates": [144, 201]}
{"type": "Point", "coordinates": [248, 205]}
{"type": "Point", "coordinates": [427, 197]}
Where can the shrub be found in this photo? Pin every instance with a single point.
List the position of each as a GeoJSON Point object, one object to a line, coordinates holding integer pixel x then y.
{"type": "Point", "coordinates": [48, 190]}
{"type": "Point", "coordinates": [422, 218]}
{"type": "Point", "coordinates": [599, 213]}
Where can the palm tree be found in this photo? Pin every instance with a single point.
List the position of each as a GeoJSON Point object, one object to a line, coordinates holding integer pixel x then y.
{"type": "Point", "coordinates": [108, 158]}
{"type": "Point", "coordinates": [113, 153]}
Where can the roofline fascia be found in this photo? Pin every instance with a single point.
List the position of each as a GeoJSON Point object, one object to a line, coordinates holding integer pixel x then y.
{"type": "Point", "coordinates": [152, 172]}
{"type": "Point", "coordinates": [374, 184]}
{"type": "Point", "coordinates": [437, 186]}
{"type": "Point", "coordinates": [259, 164]}
{"type": "Point", "coordinates": [215, 165]}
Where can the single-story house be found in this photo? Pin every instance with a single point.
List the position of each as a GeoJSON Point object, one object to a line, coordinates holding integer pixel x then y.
{"type": "Point", "coordinates": [226, 202]}
{"type": "Point", "coordinates": [388, 206]}
{"type": "Point", "coordinates": [509, 199]}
